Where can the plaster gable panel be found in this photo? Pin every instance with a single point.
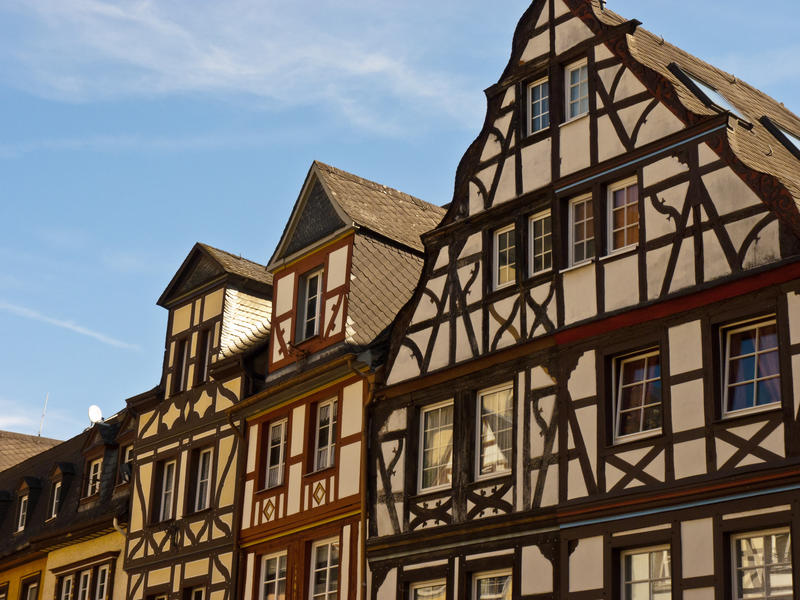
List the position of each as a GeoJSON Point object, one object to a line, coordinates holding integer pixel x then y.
{"type": "Point", "coordinates": [492, 147]}
{"type": "Point", "coordinates": [212, 306]}
{"type": "Point", "coordinates": [507, 186]}
{"type": "Point", "coordinates": [576, 484]}
{"type": "Point", "coordinates": [559, 8]}
{"type": "Point", "coordinates": [663, 169]}
{"type": "Point", "coordinates": [613, 476]}
{"type": "Point", "coordinates": [544, 16]}
{"type": "Point", "coordinates": [607, 76]}
{"type": "Point", "coordinates": [629, 85]}
{"type": "Point", "coordinates": [601, 52]}
{"type": "Point", "coordinates": [657, 468]}
{"type": "Point", "coordinates": [715, 264]}
{"type": "Point", "coordinates": [580, 296]}
{"type": "Point", "coordinates": [627, 270]}
{"type": "Point", "coordinates": [656, 271]}
{"type": "Point", "coordinates": [473, 294]}
{"type": "Point", "coordinates": [503, 124]}
{"type": "Point", "coordinates": [728, 191]}
{"type": "Point", "coordinates": [724, 451]}
{"type": "Point", "coordinates": [608, 143]}
{"type": "Point", "coordinates": [473, 246]}
{"type": "Point", "coordinates": [536, 165]}
{"type": "Point", "coordinates": [181, 319]}
{"type": "Point", "coordinates": [405, 364]}
{"type": "Point", "coordinates": [571, 33]}
{"type": "Point", "coordinates": [442, 258]}
{"type": "Point", "coordinates": [683, 276]}
{"type": "Point", "coordinates": [537, 46]}
{"type": "Point", "coordinates": [349, 476]}
{"type": "Point", "coordinates": [509, 98]}
{"type": "Point", "coordinates": [537, 576]}
{"type": "Point", "coordinates": [659, 124]}
{"type": "Point", "coordinates": [337, 268]}
{"type": "Point", "coordinates": [659, 224]}
{"type": "Point", "coordinates": [202, 404]}
{"type": "Point", "coordinates": [738, 230]}
{"type": "Point", "coordinates": [284, 294]}
{"type": "Point", "coordinates": [463, 348]}
{"type": "Point", "coordinates": [540, 378]}
{"type": "Point", "coordinates": [583, 380]}
{"type": "Point", "coordinates": [486, 176]}
{"type": "Point", "coordinates": [574, 146]}
{"type": "Point", "coordinates": [440, 357]}
{"type": "Point", "coordinates": [476, 199]}
{"type": "Point", "coordinates": [298, 427]}
{"type": "Point", "coordinates": [765, 249]}
{"type": "Point", "coordinates": [706, 155]}
{"type": "Point", "coordinates": [586, 565]}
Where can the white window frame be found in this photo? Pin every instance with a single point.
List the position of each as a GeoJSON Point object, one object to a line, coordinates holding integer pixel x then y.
{"type": "Point", "coordinates": [312, 569]}
{"type": "Point", "coordinates": [647, 550]}
{"type": "Point", "coordinates": [279, 467]}
{"type": "Point", "coordinates": [725, 335]}
{"type": "Point", "coordinates": [202, 498]}
{"type": "Point", "coordinates": [55, 499]}
{"type": "Point", "coordinates": [333, 422]}
{"type": "Point", "coordinates": [277, 556]}
{"type": "Point", "coordinates": [547, 113]}
{"type": "Point", "coordinates": [84, 585]}
{"type": "Point", "coordinates": [477, 577]}
{"type": "Point", "coordinates": [22, 512]}
{"type": "Point", "coordinates": [496, 267]}
{"type": "Point", "coordinates": [66, 590]}
{"type": "Point", "coordinates": [203, 354]}
{"type": "Point", "coordinates": [614, 187]}
{"type": "Point", "coordinates": [618, 361]}
{"type": "Point", "coordinates": [423, 411]}
{"type": "Point", "coordinates": [505, 387]}
{"type": "Point", "coordinates": [753, 534]}
{"type": "Point", "coordinates": [197, 593]}
{"type": "Point", "coordinates": [571, 234]}
{"type": "Point", "coordinates": [95, 471]}
{"type": "Point", "coordinates": [417, 585]}
{"type": "Point", "coordinates": [31, 587]}
{"type": "Point", "coordinates": [567, 71]}
{"type": "Point", "coordinates": [305, 280]}
{"type": "Point", "coordinates": [540, 216]}
{"type": "Point", "coordinates": [101, 588]}
{"type": "Point", "coordinates": [166, 499]}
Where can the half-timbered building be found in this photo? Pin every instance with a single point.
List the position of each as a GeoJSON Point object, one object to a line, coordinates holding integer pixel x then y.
{"type": "Point", "coordinates": [348, 260]}
{"type": "Point", "coordinates": [184, 514]}
{"type": "Point", "coordinates": [594, 391]}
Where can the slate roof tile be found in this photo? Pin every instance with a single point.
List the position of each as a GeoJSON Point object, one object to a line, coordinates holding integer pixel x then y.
{"type": "Point", "coordinates": [17, 447]}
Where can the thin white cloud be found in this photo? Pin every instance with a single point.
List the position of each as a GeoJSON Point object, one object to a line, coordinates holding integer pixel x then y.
{"type": "Point", "coordinates": [28, 313]}
{"type": "Point", "coordinates": [16, 422]}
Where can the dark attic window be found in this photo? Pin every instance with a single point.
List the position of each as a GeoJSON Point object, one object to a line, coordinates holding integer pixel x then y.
{"type": "Point", "coordinates": [789, 140]}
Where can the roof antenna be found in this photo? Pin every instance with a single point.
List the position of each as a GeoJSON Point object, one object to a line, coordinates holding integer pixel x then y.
{"type": "Point", "coordinates": [44, 410]}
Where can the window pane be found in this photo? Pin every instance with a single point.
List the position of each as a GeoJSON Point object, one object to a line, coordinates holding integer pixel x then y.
{"type": "Point", "coordinates": [430, 592]}
{"type": "Point", "coordinates": [740, 397]}
{"type": "Point", "coordinates": [743, 342]}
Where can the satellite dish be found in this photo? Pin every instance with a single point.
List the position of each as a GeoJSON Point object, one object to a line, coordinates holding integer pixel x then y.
{"type": "Point", "coordinates": [95, 414]}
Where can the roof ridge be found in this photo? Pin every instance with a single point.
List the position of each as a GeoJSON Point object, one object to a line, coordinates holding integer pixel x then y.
{"type": "Point", "coordinates": [4, 432]}
{"type": "Point", "coordinates": [231, 254]}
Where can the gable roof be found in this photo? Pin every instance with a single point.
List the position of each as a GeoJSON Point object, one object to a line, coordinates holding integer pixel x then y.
{"type": "Point", "coordinates": [357, 202]}
{"type": "Point", "coordinates": [205, 264]}
{"type": "Point", "coordinates": [18, 447]}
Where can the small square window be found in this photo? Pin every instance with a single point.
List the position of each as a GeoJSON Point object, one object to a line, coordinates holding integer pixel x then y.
{"type": "Point", "coordinates": [93, 477]}
{"type": "Point", "coordinates": [647, 574]}
{"type": "Point", "coordinates": [273, 577]}
{"type": "Point", "coordinates": [495, 431]}
{"type": "Point", "coordinates": [577, 88]}
{"type": "Point", "coordinates": [325, 570]}
{"type": "Point", "coordinates": [276, 453]}
{"type": "Point", "coordinates": [637, 394]}
{"type": "Point", "coordinates": [505, 257]}
{"type": "Point", "coordinates": [492, 586]}
{"type": "Point", "coordinates": [308, 307]}
{"type": "Point", "coordinates": [428, 590]}
{"type": "Point", "coordinates": [752, 371]}
{"type": "Point", "coordinates": [539, 103]}
{"type": "Point", "coordinates": [762, 565]}
{"type": "Point", "coordinates": [623, 215]}
{"type": "Point", "coordinates": [436, 446]}
{"type": "Point", "coordinates": [541, 242]}
{"type": "Point", "coordinates": [325, 438]}
{"type": "Point", "coordinates": [581, 230]}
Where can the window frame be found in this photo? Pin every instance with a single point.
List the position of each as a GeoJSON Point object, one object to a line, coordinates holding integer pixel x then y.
{"type": "Point", "coordinates": [209, 451]}
{"type": "Point", "coordinates": [509, 386]}
{"type": "Point", "coordinates": [531, 116]}
{"type": "Point", "coordinates": [477, 577]}
{"type": "Point", "coordinates": [54, 502]}
{"type": "Point", "coordinates": [413, 587]}
{"type": "Point", "coordinates": [622, 184]}
{"type": "Point", "coordinates": [283, 423]}
{"type": "Point", "coordinates": [302, 305]}
{"type": "Point", "coordinates": [180, 366]}
{"type": "Point", "coordinates": [333, 424]}
{"type": "Point", "coordinates": [29, 586]}
{"type": "Point", "coordinates": [616, 381]}
{"type": "Point", "coordinates": [102, 569]}
{"type": "Point", "coordinates": [568, 69]}
{"type": "Point", "coordinates": [276, 556]}
{"type": "Point", "coordinates": [203, 356]}
{"type": "Point", "coordinates": [313, 571]}
{"type": "Point", "coordinates": [540, 216]}
{"type": "Point", "coordinates": [733, 538]}
{"type": "Point", "coordinates": [725, 331]}
{"type": "Point", "coordinates": [496, 284]}
{"type": "Point", "coordinates": [648, 550]}
{"type": "Point", "coordinates": [163, 506]}
{"type": "Point", "coordinates": [79, 587]}
{"type": "Point", "coordinates": [580, 199]}
{"type": "Point", "coordinates": [197, 592]}
{"type": "Point", "coordinates": [93, 479]}
{"type": "Point", "coordinates": [63, 592]}
{"type": "Point", "coordinates": [421, 447]}
{"type": "Point", "coordinates": [23, 503]}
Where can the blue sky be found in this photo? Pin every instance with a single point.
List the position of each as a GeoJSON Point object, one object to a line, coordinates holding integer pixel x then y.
{"type": "Point", "coordinates": [130, 130]}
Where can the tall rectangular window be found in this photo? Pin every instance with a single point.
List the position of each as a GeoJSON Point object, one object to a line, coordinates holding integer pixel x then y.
{"type": "Point", "coordinates": [577, 87]}
{"type": "Point", "coordinates": [273, 577]}
{"type": "Point", "coordinates": [429, 590]}
{"type": "Point", "coordinates": [276, 453]}
{"type": "Point", "coordinates": [581, 233]}
{"type": "Point", "coordinates": [30, 591]}
{"type": "Point", "coordinates": [505, 257]}
{"type": "Point", "coordinates": [436, 446]}
{"type": "Point", "coordinates": [203, 486]}
{"type": "Point", "coordinates": [22, 512]}
{"type": "Point", "coordinates": [637, 393]}
{"type": "Point", "coordinates": [492, 586]}
{"type": "Point", "coordinates": [66, 588]}
{"type": "Point", "coordinates": [325, 570]}
{"type": "Point", "coordinates": [325, 439]}
{"type": "Point", "coordinates": [203, 355]}
{"type": "Point", "coordinates": [646, 574]}
{"type": "Point", "coordinates": [181, 365]}
{"type": "Point", "coordinates": [93, 478]}
{"type": "Point", "coordinates": [308, 309]}
{"type": "Point", "coordinates": [541, 242]}
{"type": "Point", "coordinates": [623, 215]}
{"type": "Point", "coordinates": [752, 370]}
{"type": "Point", "coordinates": [495, 431]}
{"type": "Point", "coordinates": [762, 565]}
{"type": "Point", "coordinates": [539, 103]}
{"type": "Point", "coordinates": [84, 579]}
{"type": "Point", "coordinates": [167, 491]}
{"type": "Point", "coordinates": [55, 499]}
{"type": "Point", "coordinates": [101, 586]}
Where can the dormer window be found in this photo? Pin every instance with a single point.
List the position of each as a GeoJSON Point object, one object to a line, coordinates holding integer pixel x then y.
{"type": "Point", "coordinates": [577, 89]}
{"type": "Point", "coordinates": [55, 500]}
{"type": "Point", "coordinates": [93, 479]}
{"type": "Point", "coordinates": [22, 512]}
{"type": "Point", "coordinates": [308, 305]}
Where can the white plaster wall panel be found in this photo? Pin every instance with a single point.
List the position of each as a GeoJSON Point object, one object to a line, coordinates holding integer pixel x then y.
{"type": "Point", "coordinates": [284, 294]}
{"type": "Point", "coordinates": [630, 115]}
{"type": "Point", "coordinates": [181, 483]}
{"type": "Point", "coordinates": [683, 276]}
{"type": "Point", "coordinates": [583, 379]}
{"type": "Point", "coordinates": [748, 460]}
{"type": "Point", "coordinates": [337, 268]}
{"type": "Point", "coordinates": [536, 161]}
{"type": "Point", "coordinates": [486, 176]}
{"type": "Point", "coordinates": [507, 186]}
{"type": "Point", "coordinates": [509, 98]}
{"type": "Point", "coordinates": [467, 272]}
{"type": "Point", "coordinates": [492, 147]}
{"type": "Point", "coordinates": [656, 468]}
{"type": "Point", "coordinates": [656, 271]}
{"type": "Point", "coordinates": [587, 421]}
{"type": "Point", "coordinates": [283, 330]}
{"type": "Point", "coordinates": [662, 170]}
{"type": "Point", "coordinates": [658, 224]}
{"type": "Point", "coordinates": [571, 33]}
{"type": "Point", "coordinates": [641, 530]}
{"type": "Point", "coordinates": [440, 357]}
{"type": "Point", "coordinates": [690, 458]}
{"type": "Point", "coordinates": [757, 512]}
{"type": "Point", "coordinates": [298, 428]}
{"type": "Point", "coordinates": [396, 422]}
{"type": "Point", "coordinates": [576, 484]}
{"type": "Point", "coordinates": [344, 562]}
{"type": "Point", "coordinates": [697, 544]}
{"type": "Point", "coordinates": [793, 305]}
{"type": "Point", "coordinates": [248, 586]}
{"type": "Point", "coordinates": [559, 8]}
{"type": "Point", "coordinates": [537, 437]}
{"type": "Point", "coordinates": [248, 504]}
{"type": "Point", "coordinates": [537, 576]}
{"type": "Point", "coordinates": [688, 403]}
{"type": "Point", "coordinates": [540, 378]}
{"type": "Point", "coordinates": [537, 46]}
{"type": "Point", "coordinates": [463, 347]}
{"type": "Point", "coordinates": [350, 470]}
{"type": "Point", "coordinates": [627, 270]}
{"type": "Point", "coordinates": [629, 85]}
{"type": "Point", "coordinates": [539, 295]}
{"type": "Point", "coordinates": [574, 145]}
{"type": "Point", "coordinates": [544, 16]}
{"type": "Point", "coordinates": [738, 230]}
{"type": "Point", "coordinates": [503, 124]}
{"type": "Point", "coordinates": [796, 383]}
{"type": "Point", "coordinates": [473, 246]}
{"type": "Point", "coordinates": [580, 296]}
{"type": "Point", "coordinates": [728, 191]}
{"type": "Point", "coordinates": [746, 431]}
{"type": "Point", "coordinates": [383, 520]}
{"type": "Point", "coordinates": [550, 489]}
{"type": "Point", "coordinates": [685, 347]}
{"type": "Point", "coordinates": [607, 76]}
{"type": "Point", "coordinates": [388, 588]}
{"type": "Point", "coordinates": [706, 155]}
{"type": "Point", "coordinates": [586, 565]}
{"type": "Point", "coordinates": [213, 304]}
{"type": "Point", "coordinates": [426, 307]}
{"type": "Point", "coordinates": [483, 555]}
{"type": "Point", "coordinates": [765, 249]}
{"type": "Point", "coordinates": [181, 318]}
{"type": "Point", "coordinates": [706, 593]}
{"type": "Point", "coordinates": [601, 52]}
{"type": "Point", "coordinates": [442, 258]}
{"type": "Point", "coordinates": [724, 451]}
{"type": "Point", "coordinates": [660, 123]}
{"type": "Point", "coordinates": [405, 365]}
{"type": "Point", "coordinates": [332, 312]}
{"type": "Point", "coordinates": [715, 264]}
{"type": "Point", "coordinates": [352, 411]}
{"type": "Point", "coordinates": [476, 199]}
{"type": "Point", "coordinates": [608, 143]}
